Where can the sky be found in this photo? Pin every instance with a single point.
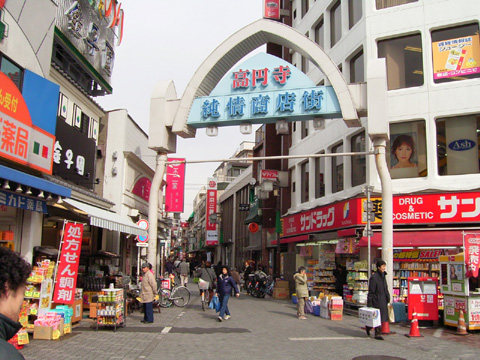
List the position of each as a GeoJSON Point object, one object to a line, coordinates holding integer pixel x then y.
{"type": "Point", "coordinates": [168, 40]}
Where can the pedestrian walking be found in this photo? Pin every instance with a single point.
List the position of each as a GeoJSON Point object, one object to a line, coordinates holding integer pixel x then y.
{"type": "Point", "coordinates": [301, 290]}
{"type": "Point", "coordinates": [14, 272]}
{"type": "Point", "coordinates": [246, 275]}
{"type": "Point", "coordinates": [225, 285]}
{"type": "Point", "coordinates": [169, 268]}
{"type": "Point", "coordinates": [378, 296]}
{"type": "Point", "coordinates": [148, 293]}
{"type": "Point", "coordinates": [235, 276]}
{"type": "Point", "coordinates": [184, 270]}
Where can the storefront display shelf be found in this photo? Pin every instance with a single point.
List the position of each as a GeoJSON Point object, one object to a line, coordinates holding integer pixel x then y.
{"type": "Point", "coordinates": [110, 308]}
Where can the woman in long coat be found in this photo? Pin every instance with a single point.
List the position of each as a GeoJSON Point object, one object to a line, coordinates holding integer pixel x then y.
{"type": "Point", "coordinates": [301, 290]}
{"type": "Point", "coordinates": [378, 296]}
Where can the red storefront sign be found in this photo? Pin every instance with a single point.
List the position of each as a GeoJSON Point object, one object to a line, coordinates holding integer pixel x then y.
{"type": "Point", "coordinates": [472, 254]}
{"type": "Point", "coordinates": [417, 254]}
{"type": "Point", "coordinates": [211, 226]}
{"type": "Point", "coordinates": [175, 190]}
{"type": "Point", "coordinates": [269, 175]}
{"type": "Point", "coordinates": [271, 9]}
{"type": "Point", "coordinates": [67, 272]}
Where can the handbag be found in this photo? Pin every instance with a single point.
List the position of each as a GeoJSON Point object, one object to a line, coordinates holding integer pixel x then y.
{"type": "Point", "coordinates": [214, 304]}
{"type": "Point", "coordinates": [391, 313]}
{"type": "Point", "coordinates": [308, 307]}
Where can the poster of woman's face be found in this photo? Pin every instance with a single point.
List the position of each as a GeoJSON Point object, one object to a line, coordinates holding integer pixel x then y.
{"type": "Point", "coordinates": [456, 272]}
{"type": "Point", "coordinates": [403, 155]}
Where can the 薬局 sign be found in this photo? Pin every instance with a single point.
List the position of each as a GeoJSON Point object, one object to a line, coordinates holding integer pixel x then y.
{"type": "Point", "coordinates": [261, 90]}
{"type": "Point", "coordinates": [27, 121]}
{"type": "Point", "coordinates": [456, 57]}
{"type": "Point", "coordinates": [67, 272]}
{"type": "Point", "coordinates": [472, 254]}
{"type": "Point", "coordinates": [211, 227]}
{"type": "Point", "coordinates": [175, 189]}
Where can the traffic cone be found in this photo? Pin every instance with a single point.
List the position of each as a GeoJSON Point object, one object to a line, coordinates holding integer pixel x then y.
{"type": "Point", "coordinates": [386, 329]}
{"type": "Point", "coordinates": [461, 328]}
{"type": "Point", "coordinates": [414, 331]}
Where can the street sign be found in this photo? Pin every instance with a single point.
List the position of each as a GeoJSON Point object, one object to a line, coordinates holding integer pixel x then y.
{"type": "Point", "coordinates": [142, 244]}
{"type": "Point", "coordinates": [243, 207]}
{"type": "Point", "coordinates": [144, 225]}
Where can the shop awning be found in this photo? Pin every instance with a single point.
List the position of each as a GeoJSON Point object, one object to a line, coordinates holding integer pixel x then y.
{"type": "Point", "coordinates": [433, 238]}
{"type": "Point", "coordinates": [107, 220]}
{"type": "Point", "coordinates": [34, 182]}
{"type": "Point", "coordinates": [292, 239]}
{"type": "Point", "coordinates": [257, 247]}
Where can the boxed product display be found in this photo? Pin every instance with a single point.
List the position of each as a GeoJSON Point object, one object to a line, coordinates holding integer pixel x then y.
{"type": "Point", "coordinates": [335, 314]}
{"type": "Point", "coordinates": [336, 303]}
{"type": "Point", "coordinates": [369, 316]}
{"type": "Point", "coordinates": [281, 284]}
{"type": "Point", "coordinates": [43, 332]}
{"type": "Point", "coordinates": [281, 293]}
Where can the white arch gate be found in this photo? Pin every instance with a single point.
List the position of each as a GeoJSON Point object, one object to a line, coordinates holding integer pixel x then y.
{"type": "Point", "coordinates": [168, 114]}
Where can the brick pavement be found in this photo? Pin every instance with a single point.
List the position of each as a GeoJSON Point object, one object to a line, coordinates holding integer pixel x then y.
{"type": "Point", "coordinates": [259, 328]}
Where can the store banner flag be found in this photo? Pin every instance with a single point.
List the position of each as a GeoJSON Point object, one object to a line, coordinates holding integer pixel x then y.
{"type": "Point", "coordinates": [211, 226]}
{"type": "Point", "coordinates": [472, 253]}
{"type": "Point", "coordinates": [175, 190]}
{"type": "Point", "coordinates": [66, 280]}
{"type": "Point", "coordinates": [456, 57]}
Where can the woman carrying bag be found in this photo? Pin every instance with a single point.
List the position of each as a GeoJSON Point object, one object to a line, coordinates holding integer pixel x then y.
{"type": "Point", "coordinates": [301, 290]}
{"type": "Point", "coordinates": [225, 285]}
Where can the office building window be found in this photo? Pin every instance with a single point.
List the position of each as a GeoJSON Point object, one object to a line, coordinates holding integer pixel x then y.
{"type": "Point", "coordinates": [359, 162]}
{"type": "Point", "coordinates": [383, 4]}
{"type": "Point", "coordinates": [456, 53]}
{"type": "Point", "coordinates": [357, 72]}
{"type": "Point", "coordinates": [354, 12]}
{"type": "Point", "coordinates": [335, 24]}
{"type": "Point", "coordinates": [304, 7]}
{"type": "Point", "coordinates": [337, 169]}
{"type": "Point", "coordinates": [320, 34]}
{"type": "Point", "coordinates": [320, 176]}
{"type": "Point", "coordinates": [407, 151]}
{"type": "Point", "coordinates": [404, 61]}
{"type": "Point", "coordinates": [304, 181]}
{"type": "Point", "coordinates": [458, 145]}
{"type": "Point", "coordinates": [12, 70]}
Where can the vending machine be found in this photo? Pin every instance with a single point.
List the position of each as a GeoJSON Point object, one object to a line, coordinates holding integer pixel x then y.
{"type": "Point", "coordinates": [423, 298]}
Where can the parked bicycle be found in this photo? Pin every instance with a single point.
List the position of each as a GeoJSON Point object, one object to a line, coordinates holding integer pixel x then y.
{"type": "Point", "coordinates": [178, 295]}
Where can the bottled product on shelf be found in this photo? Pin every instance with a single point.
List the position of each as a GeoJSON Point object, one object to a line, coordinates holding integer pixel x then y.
{"type": "Point", "coordinates": [403, 270]}
{"type": "Point", "coordinates": [111, 308]}
{"type": "Point", "coordinates": [357, 281]}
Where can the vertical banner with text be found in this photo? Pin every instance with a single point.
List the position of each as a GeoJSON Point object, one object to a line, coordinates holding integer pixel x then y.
{"type": "Point", "coordinates": [211, 226]}
{"type": "Point", "coordinates": [67, 270]}
{"type": "Point", "coordinates": [175, 190]}
{"type": "Point", "coordinates": [472, 254]}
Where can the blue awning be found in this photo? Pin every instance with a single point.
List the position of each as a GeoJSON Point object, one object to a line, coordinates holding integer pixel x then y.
{"type": "Point", "coordinates": [35, 182]}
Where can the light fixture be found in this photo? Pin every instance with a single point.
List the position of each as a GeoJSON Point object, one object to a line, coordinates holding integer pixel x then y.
{"type": "Point", "coordinates": [29, 191]}
{"type": "Point", "coordinates": [319, 123]}
{"type": "Point", "coordinates": [6, 185]}
{"type": "Point", "coordinates": [19, 189]}
{"type": "Point", "coordinates": [41, 195]}
{"type": "Point", "coordinates": [49, 197]}
{"type": "Point", "coordinates": [246, 128]}
{"type": "Point", "coordinates": [211, 130]}
{"type": "Point", "coordinates": [282, 127]}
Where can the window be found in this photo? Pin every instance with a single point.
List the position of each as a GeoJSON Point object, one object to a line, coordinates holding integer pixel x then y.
{"type": "Point", "coordinates": [382, 4]}
{"type": "Point", "coordinates": [457, 145]}
{"type": "Point", "coordinates": [304, 181]}
{"type": "Point", "coordinates": [404, 61]}
{"type": "Point", "coordinates": [335, 24]}
{"type": "Point", "coordinates": [337, 169]}
{"type": "Point", "coordinates": [320, 34]}
{"type": "Point", "coordinates": [304, 133]}
{"type": "Point", "coordinates": [357, 72]}
{"type": "Point", "coordinates": [407, 150]}
{"type": "Point", "coordinates": [320, 176]}
{"type": "Point", "coordinates": [359, 162]}
{"type": "Point", "coordinates": [85, 123]}
{"type": "Point", "coordinates": [455, 53]}
{"type": "Point", "coordinates": [12, 70]}
{"type": "Point", "coordinates": [304, 7]}
{"type": "Point", "coordinates": [354, 12]}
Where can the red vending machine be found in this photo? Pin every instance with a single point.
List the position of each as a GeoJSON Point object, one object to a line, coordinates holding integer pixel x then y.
{"type": "Point", "coordinates": [423, 297]}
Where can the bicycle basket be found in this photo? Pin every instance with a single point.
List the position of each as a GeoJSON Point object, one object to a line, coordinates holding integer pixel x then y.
{"type": "Point", "coordinates": [203, 285]}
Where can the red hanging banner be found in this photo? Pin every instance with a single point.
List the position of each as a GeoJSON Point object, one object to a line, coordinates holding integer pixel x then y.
{"type": "Point", "coordinates": [67, 271]}
{"type": "Point", "coordinates": [472, 254]}
{"type": "Point", "coordinates": [175, 190]}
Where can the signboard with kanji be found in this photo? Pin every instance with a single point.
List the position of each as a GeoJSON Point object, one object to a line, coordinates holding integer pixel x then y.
{"type": "Point", "coordinates": [175, 189]}
{"type": "Point", "coordinates": [67, 272]}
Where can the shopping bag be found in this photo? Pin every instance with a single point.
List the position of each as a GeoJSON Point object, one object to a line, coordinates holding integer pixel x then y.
{"type": "Point", "coordinates": [308, 307]}
{"type": "Point", "coordinates": [214, 304]}
{"type": "Point", "coordinates": [391, 314]}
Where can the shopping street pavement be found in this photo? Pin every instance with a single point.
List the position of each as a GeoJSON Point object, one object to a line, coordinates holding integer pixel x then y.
{"type": "Point", "coordinates": [258, 329]}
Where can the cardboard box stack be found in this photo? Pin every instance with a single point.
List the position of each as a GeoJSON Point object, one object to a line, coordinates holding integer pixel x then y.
{"type": "Point", "coordinates": [48, 326]}
{"type": "Point", "coordinates": [281, 290]}
{"type": "Point", "coordinates": [369, 317]}
{"type": "Point", "coordinates": [336, 308]}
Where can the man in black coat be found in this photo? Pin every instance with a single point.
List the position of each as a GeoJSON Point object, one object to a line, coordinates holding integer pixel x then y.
{"type": "Point", "coordinates": [378, 296]}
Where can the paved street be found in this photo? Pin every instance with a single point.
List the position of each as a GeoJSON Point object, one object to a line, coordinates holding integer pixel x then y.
{"type": "Point", "coordinates": [258, 329]}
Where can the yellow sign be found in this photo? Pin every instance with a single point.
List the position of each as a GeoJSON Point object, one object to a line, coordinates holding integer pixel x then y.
{"type": "Point", "coordinates": [456, 57]}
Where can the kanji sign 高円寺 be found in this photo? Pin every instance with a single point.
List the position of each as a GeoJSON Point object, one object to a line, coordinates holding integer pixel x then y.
{"type": "Point", "coordinates": [67, 272]}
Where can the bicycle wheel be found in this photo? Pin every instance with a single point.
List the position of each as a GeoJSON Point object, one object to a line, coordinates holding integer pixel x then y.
{"type": "Point", "coordinates": [206, 298]}
{"type": "Point", "coordinates": [164, 300]}
{"type": "Point", "coordinates": [180, 296]}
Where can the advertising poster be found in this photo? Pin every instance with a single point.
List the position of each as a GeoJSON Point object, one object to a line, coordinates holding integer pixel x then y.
{"type": "Point", "coordinates": [211, 226]}
{"type": "Point", "coordinates": [175, 189]}
{"type": "Point", "coordinates": [456, 57]}
{"type": "Point", "coordinates": [472, 254]}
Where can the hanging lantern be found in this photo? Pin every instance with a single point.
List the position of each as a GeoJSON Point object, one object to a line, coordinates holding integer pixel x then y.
{"type": "Point", "coordinates": [253, 227]}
